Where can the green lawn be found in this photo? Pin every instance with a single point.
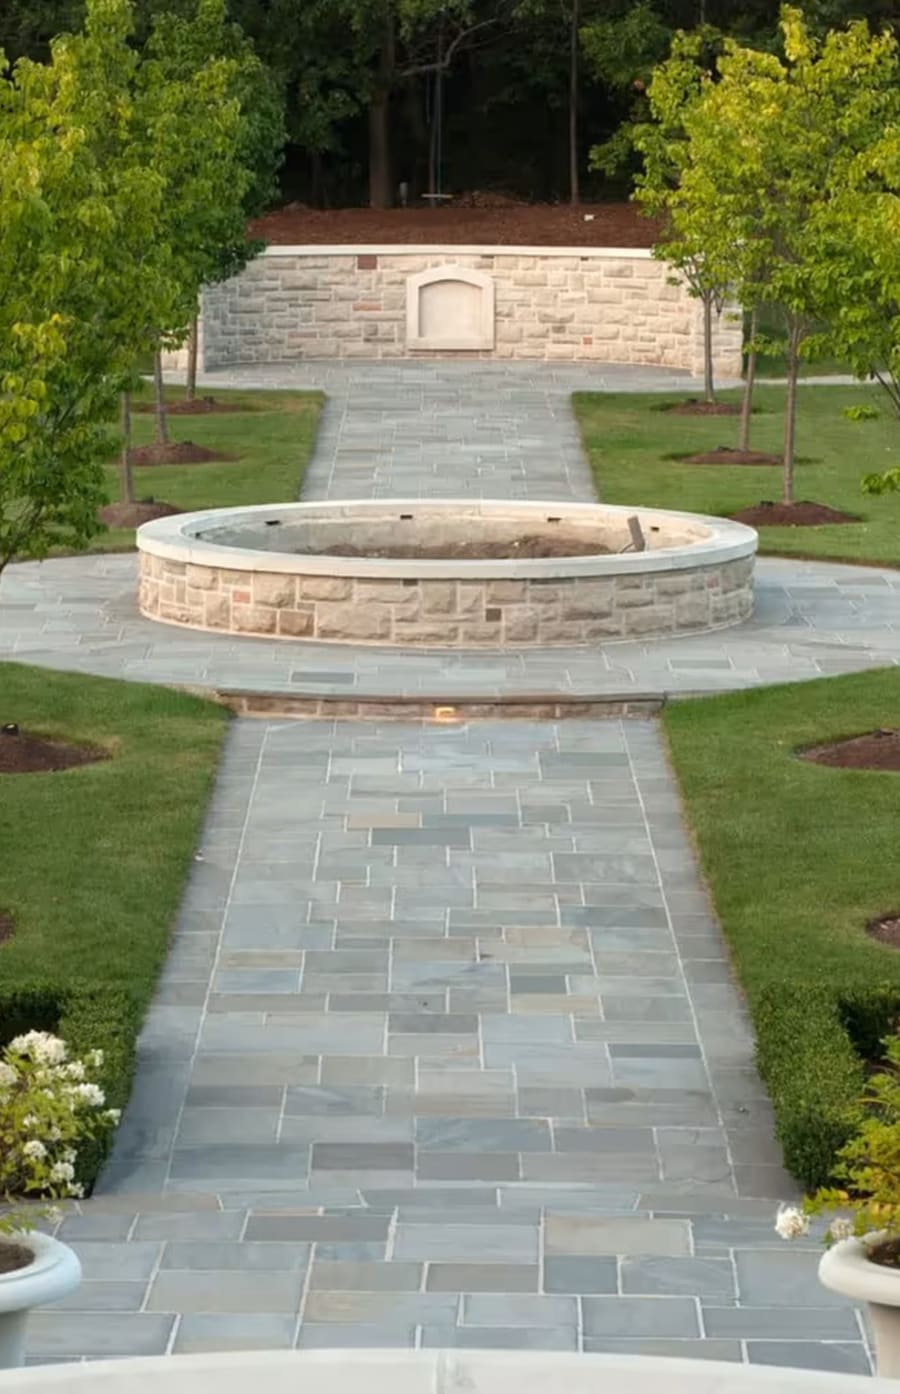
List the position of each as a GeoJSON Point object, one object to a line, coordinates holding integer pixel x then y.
{"type": "Point", "coordinates": [273, 439]}
{"type": "Point", "coordinates": [798, 858]}
{"type": "Point", "coordinates": [95, 857]}
{"type": "Point", "coordinates": [631, 445]}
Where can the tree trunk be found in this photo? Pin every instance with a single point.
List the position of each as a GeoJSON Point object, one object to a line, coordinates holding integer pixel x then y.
{"type": "Point", "coordinates": [574, 183]}
{"type": "Point", "coordinates": [162, 419]}
{"type": "Point", "coordinates": [709, 390]}
{"type": "Point", "coordinates": [790, 412]}
{"type": "Point", "coordinates": [381, 184]}
{"type": "Point", "coordinates": [193, 345]}
{"type": "Point", "coordinates": [749, 383]}
{"type": "Point", "coordinates": [125, 472]}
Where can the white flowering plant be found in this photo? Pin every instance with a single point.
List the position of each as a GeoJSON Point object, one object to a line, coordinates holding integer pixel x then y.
{"type": "Point", "coordinates": [49, 1105]}
{"type": "Point", "coordinates": [868, 1173]}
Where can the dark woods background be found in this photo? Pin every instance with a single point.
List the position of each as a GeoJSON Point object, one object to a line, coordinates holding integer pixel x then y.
{"type": "Point", "coordinates": [456, 95]}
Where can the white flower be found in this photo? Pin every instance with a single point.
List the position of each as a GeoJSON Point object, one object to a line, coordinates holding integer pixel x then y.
{"type": "Point", "coordinates": [7, 1074]}
{"type": "Point", "coordinates": [30, 1121]}
{"type": "Point", "coordinates": [112, 1115]}
{"type": "Point", "coordinates": [90, 1094]}
{"type": "Point", "coordinates": [791, 1223]}
{"type": "Point", "coordinates": [34, 1149]}
{"type": "Point", "coordinates": [75, 1070]}
{"type": "Point", "coordinates": [40, 1046]}
{"type": "Point", "coordinates": [77, 1190]}
{"type": "Point", "coordinates": [841, 1229]}
{"type": "Point", "coordinates": [95, 1059]}
{"type": "Point", "coordinates": [69, 1154]}
{"type": "Point", "coordinates": [54, 1134]}
{"type": "Point", "coordinates": [62, 1171]}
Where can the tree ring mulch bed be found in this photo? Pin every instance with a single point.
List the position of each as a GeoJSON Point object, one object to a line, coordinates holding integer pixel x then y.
{"type": "Point", "coordinates": [875, 750]}
{"type": "Point", "coordinates": [802, 514]}
{"type": "Point", "coordinates": [131, 515]}
{"type": "Point", "coordinates": [886, 1254]}
{"type": "Point", "coordinates": [14, 1256]}
{"type": "Point", "coordinates": [7, 925]}
{"type": "Point", "coordinates": [695, 407]}
{"type": "Point", "coordinates": [183, 452]}
{"type": "Point", "coordinates": [21, 753]}
{"type": "Point", "coordinates": [886, 930]}
{"type": "Point", "coordinates": [200, 406]}
{"type": "Point", "coordinates": [724, 455]}
{"type": "Point", "coordinates": [531, 545]}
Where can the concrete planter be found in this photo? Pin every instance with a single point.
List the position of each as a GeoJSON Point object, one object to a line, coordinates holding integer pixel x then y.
{"type": "Point", "coordinates": [54, 1273]}
{"type": "Point", "coordinates": [847, 1268]}
{"type": "Point", "coordinates": [426, 1372]}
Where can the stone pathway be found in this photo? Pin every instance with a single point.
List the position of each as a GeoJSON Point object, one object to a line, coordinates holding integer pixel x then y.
{"type": "Point", "coordinates": [447, 1051]}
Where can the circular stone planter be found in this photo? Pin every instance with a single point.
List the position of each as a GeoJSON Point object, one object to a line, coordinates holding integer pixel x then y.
{"type": "Point", "coordinates": [847, 1268]}
{"type": "Point", "coordinates": [267, 571]}
{"type": "Point", "coordinates": [54, 1273]}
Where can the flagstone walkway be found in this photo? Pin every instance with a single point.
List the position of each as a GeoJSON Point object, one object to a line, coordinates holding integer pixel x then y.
{"type": "Point", "coordinates": [447, 1050]}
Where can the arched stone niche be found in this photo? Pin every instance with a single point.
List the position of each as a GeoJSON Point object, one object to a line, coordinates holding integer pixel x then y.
{"type": "Point", "coordinates": [449, 307]}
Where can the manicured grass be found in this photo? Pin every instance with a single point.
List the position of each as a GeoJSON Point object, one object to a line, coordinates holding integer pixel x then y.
{"type": "Point", "coordinates": [273, 439]}
{"type": "Point", "coordinates": [631, 445]}
{"type": "Point", "coordinates": [94, 858]}
{"type": "Point", "coordinates": [798, 858]}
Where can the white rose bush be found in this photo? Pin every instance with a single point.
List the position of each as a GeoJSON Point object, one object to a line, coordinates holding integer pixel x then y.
{"type": "Point", "coordinates": [49, 1105]}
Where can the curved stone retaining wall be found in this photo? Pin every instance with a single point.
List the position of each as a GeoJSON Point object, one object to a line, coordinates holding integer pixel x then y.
{"type": "Point", "coordinates": [705, 584]}
{"type": "Point", "coordinates": [607, 304]}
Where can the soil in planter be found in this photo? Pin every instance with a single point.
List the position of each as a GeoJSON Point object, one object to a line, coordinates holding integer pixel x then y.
{"type": "Point", "coordinates": [695, 406]}
{"type": "Point", "coordinates": [6, 927]}
{"type": "Point", "coordinates": [724, 455]}
{"type": "Point", "coordinates": [14, 1256]}
{"type": "Point", "coordinates": [183, 452]}
{"type": "Point", "coordinates": [887, 931]}
{"type": "Point", "coordinates": [886, 1255]}
{"type": "Point", "coordinates": [200, 406]}
{"type": "Point", "coordinates": [876, 750]}
{"type": "Point", "coordinates": [802, 514]}
{"type": "Point", "coordinates": [529, 546]}
{"type": "Point", "coordinates": [24, 754]}
{"type": "Point", "coordinates": [131, 515]}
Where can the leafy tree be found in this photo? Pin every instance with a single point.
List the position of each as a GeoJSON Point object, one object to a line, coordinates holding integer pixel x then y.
{"type": "Point", "coordinates": [83, 271]}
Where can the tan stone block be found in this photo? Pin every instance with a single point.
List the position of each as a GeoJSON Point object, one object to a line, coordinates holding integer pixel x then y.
{"type": "Point", "coordinates": [232, 578]}
{"type": "Point", "coordinates": [437, 597]}
{"type": "Point", "coordinates": [296, 623]}
{"type": "Point", "coordinates": [470, 598]}
{"type": "Point", "coordinates": [499, 592]}
{"type": "Point", "coordinates": [520, 625]}
{"type": "Point", "coordinates": [326, 587]}
{"type": "Point", "coordinates": [394, 592]}
{"type": "Point", "coordinates": [435, 631]}
{"type": "Point", "coordinates": [609, 627]}
{"type": "Point", "coordinates": [270, 588]}
{"type": "Point", "coordinates": [203, 578]}
{"type": "Point", "coordinates": [149, 597]}
{"type": "Point", "coordinates": [654, 619]}
{"type": "Point", "coordinates": [678, 583]}
{"type": "Point", "coordinates": [177, 614]}
{"type": "Point", "coordinates": [367, 621]}
{"type": "Point", "coordinates": [254, 619]}
{"type": "Point", "coordinates": [216, 611]}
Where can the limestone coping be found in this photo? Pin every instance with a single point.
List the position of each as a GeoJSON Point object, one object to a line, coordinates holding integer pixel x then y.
{"type": "Point", "coordinates": [451, 249]}
{"type": "Point", "coordinates": [343, 1371]}
{"type": "Point", "coordinates": [180, 538]}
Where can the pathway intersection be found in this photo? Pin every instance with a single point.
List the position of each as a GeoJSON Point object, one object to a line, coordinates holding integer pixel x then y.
{"type": "Point", "coordinates": [447, 1051]}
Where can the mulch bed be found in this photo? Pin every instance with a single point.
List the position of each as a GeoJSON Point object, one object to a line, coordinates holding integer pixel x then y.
{"type": "Point", "coordinates": [886, 931]}
{"type": "Point", "coordinates": [131, 515]}
{"type": "Point", "coordinates": [7, 925]}
{"type": "Point", "coordinates": [14, 1257]}
{"type": "Point", "coordinates": [695, 407]}
{"type": "Point", "coordinates": [200, 406]}
{"type": "Point", "coordinates": [802, 514]}
{"type": "Point", "coordinates": [505, 223]}
{"type": "Point", "coordinates": [876, 750]}
{"type": "Point", "coordinates": [530, 546]}
{"type": "Point", "coordinates": [724, 455]}
{"type": "Point", "coordinates": [24, 754]}
{"type": "Point", "coordinates": [181, 452]}
{"type": "Point", "coordinates": [886, 1255]}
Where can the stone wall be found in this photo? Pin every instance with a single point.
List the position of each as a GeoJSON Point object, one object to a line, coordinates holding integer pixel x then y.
{"type": "Point", "coordinates": [601, 304]}
{"type": "Point", "coordinates": [447, 613]}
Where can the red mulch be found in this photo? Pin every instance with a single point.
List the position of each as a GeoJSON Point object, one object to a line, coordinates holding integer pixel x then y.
{"type": "Point", "coordinates": [695, 407]}
{"type": "Point", "coordinates": [131, 515]}
{"type": "Point", "coordinates": [511, 224]}
{"type": "Point", "coordinates": [802, 514]}
{"type": "Point", "coordinates": [14, 1256]}
{"type": "Point", "coordinates": [876, 750]}
{"type": "Point", "coordinates": [528, 546]}
{"type": "Point", "coordinates": [724, 455]}
{"type": "Point", "coordinates": [7, 926]}
{"type": "Point", "coordinates": [885, 930]}
{"type": "Point", "coordinates": [200, 406]}
{"type": "Point", "coordinates": [24, 754]}
{"type": "Point", "coordinates": [182, 452]}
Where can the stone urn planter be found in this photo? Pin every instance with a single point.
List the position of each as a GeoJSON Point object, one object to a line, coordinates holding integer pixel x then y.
{"type": "Point", "coordinates": [847, 1268]}
{"type": "Point", "coordinates": [53, 1272]}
